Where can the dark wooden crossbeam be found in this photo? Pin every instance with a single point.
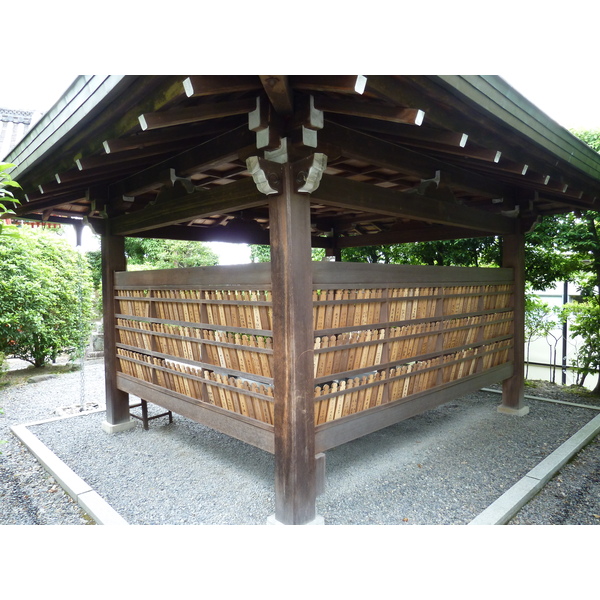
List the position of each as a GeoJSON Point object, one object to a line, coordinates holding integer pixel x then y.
{"type": "Point", "coordinates": [280, 95]}
{"type": "Point", "coordinates": [198, 86]}
{"type": "Point", "coordinates": [392, 114]}
{"type": "Point", "coordinates": [224, 148]}
{"type": "Point", "coordinates": [410, 133]}
{"type": "Point", "coordinates": [237, 235]}
{"type": "Point", "coordinates": [218, 200]}
{"type": "Point", "coordinates": [41, 202]}
{"type": "Point", "coordinates": [361, 146]}
{"type": "Point", "coordinates": [404, 236]}
{"type": "Point", "coordinates": [439, 105]}
{"type": "Point", "coordinates": [141, 95]}
{"type": "Point", "coordinates": [354, 195]}
{"type": "Point", "coordinates": [341, 84]}
{"type": "Point", "coordinates": [159, 137]}
{"type": "Point", "coordinates": [195, 114]}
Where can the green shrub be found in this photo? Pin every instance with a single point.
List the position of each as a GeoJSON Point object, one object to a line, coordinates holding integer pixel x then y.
{"type": "Point", "coordinates": [45, 297]}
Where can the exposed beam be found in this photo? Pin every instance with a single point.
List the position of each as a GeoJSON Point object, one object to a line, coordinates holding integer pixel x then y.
{"type": "Point", "coordinates": [207, 234]}
{"type": "Point", "coordinates": [224, 148]}
{"type": "Point", "coordinates": [41, 202]}
{"type": "Point", "coordinates": [440, 137]}
{"type": "Point", "coordinates": [341, 84]}
{"type": "Point", "coordinates": [98, 161]}
{"type": "Point", "coordinates": [443, 107]}
{"type": "Point", "coordinates": [348, 194]}
{"type": "Point", "coordinates": [361, 146]}
{"type": "Point", "coordinates": [145, 95]}
{"type": "Point", "coordinates": [393, 114]}
{"type": "Point", "coordinates": [404, 236]}
{"type": "Point", "coordinates": [198, 86]}
{"type": "Point", "coordinates": [195, 114]}
{"type": "Point", "coordinates": [223, 199]}
{"type": "Point", "coordinates": [278, 90]}
{"type": "Point", "coordinates": [146, 139]}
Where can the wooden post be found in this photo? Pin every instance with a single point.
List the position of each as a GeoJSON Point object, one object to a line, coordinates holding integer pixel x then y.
{"type": "Point", "coordinates": [295, 469]}
{"type": "Point", "coordinates": [117, 402]}
{"type": "Point", "coordinates": [513, 388]}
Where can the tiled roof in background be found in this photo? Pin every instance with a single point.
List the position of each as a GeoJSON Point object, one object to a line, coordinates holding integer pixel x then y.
{"type": "Point", "coordinates": [14, 124]}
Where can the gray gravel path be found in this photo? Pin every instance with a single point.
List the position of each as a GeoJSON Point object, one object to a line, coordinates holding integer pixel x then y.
{"type": "Point", "coordinates": [442, 467]}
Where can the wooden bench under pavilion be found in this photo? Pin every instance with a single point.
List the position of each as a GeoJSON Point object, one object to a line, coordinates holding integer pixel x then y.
{"type": "Point", "coordinates": [293, 356]}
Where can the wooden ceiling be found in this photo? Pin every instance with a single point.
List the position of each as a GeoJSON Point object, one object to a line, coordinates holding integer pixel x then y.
{"type": "Point", "coordinates": [408, 158]}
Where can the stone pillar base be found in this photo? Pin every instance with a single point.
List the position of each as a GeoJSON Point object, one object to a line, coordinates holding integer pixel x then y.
{"type": "Point", "coordinates": [318, 520]}
{"type": "Point", "coordinates": [110, 428]}
{"type": "Point", "coordinates": [517, 412]}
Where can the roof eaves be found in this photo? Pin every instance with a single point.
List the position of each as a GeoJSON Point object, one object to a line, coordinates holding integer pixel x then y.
{"type": "Point", "coordinates": [495, 96]}
{"type": "Point", "coordinates": [62, 120]}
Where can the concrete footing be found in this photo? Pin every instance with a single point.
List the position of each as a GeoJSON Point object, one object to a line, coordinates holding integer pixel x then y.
{"type": "Point", "coordinates": [318, 520]}
{"type": "Point", "coordinates": [110, 428]}
{"type": "Point", "coordinates": [517, 412]}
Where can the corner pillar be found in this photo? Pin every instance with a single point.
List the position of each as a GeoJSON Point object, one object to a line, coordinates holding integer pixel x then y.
{"type": "Point", "coordinates": [117, 401]}
{"type": "Point", "coordinates": [295, 462]}
{"type": "Point", "coordinates": [513, 388]}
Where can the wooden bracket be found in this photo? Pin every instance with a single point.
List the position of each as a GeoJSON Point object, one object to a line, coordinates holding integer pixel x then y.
{"type": "Point", "coordinates": [267, 175]}
{"type": "Point", "coordinates": [308, 172]}
{"type": "Point", "coordinates": [179, 186]}
{"type": "Point", "coordinates": [266, 123]}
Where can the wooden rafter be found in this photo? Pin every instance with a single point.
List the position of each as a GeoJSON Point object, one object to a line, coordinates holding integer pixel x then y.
{"type": "Point", "coordinates": [159, 137]}
{"type": "Point", "coordinates": [386, 154]}
{"type": "Point", "coordinates": [223, 199]}
{"type": "Point", "coordinates": [341, 84]}
{"type": "Point", "coordinates": [355, 195]}
{"type": "Point", "coordinates": [195, 114]}
{"type": "Point", "coordinates": [224, 148]}
{"type": "Point", "coordinates": [278, 90]}
{"type": "Point", "coordinates": [392, 114]}
{"type": "Point", "coordinates": [105, 126]}
{"type": "Point", "coordinates": [197, 86]}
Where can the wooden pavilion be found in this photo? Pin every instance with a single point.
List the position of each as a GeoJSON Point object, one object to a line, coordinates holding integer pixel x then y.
{"type": "Point", "coordinates": [292, 356]}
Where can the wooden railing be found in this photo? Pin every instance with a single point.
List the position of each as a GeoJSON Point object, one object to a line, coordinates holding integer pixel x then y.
{"type": "Point", "coordinates": [211, 344]}
{"type": "Point", "coordinates": [404, 341]}
{"type": "Point", "coordinates": [382, 335]}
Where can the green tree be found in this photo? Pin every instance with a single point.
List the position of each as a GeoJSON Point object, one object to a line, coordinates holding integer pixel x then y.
{"type": "Point", "coordinates": [261, 253]}
{"type": "Point", "coordinates": [6, 181]}
{"type": "Point", "coordinates": [148, 253]}
{"type": "Point", "coordinates": [537, 322]}
{"type": "Point", "coordinates": [585, 322]}
{"type": "Point", "coordinates": [168, 254]}
{"type": "Point", "coordinates": [45, 297]}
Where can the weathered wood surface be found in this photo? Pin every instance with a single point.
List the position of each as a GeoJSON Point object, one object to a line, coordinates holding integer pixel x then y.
{"type": "Point", "coordinates": [113, 260]}
{"type": "Point", "coordinates": [383, 340]}
{"type": "Point", "coordinates": [295, 466]}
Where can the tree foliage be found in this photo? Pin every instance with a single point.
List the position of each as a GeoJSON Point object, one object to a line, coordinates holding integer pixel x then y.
{"type": "Point", "coordinates": [585, 322]}
{"type": "Point", "coordinates": [45, 297]}
{"type": "Point", "coordinates": [6, 181]}
{"type": "Point", "coordinates": [168, 254]}
{"type": "Point", "coordinates": [146, 253]}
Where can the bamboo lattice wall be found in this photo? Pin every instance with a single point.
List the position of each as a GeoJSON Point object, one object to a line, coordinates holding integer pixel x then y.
{"type": "Point", "coordinates": [376, 343]}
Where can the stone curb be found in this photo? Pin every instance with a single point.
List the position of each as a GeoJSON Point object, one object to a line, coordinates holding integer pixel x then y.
{"type": "Point", "coordinates": [498, 513]}
{"type": "Point", "coordinates": [93, 504]}
{"type": "Point", "coordinates": [508, 505]}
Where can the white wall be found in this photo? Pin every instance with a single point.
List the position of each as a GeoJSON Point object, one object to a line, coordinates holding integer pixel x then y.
{"type": "Point", "coordinates": [540, 349]}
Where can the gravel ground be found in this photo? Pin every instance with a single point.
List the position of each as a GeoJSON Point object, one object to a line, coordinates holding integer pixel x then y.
{"type": "Point", "coordinates": [442, 467]}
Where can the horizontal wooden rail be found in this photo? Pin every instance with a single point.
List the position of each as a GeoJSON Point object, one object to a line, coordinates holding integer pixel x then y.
{"type": "Point", "coordinates": [384, 335]}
